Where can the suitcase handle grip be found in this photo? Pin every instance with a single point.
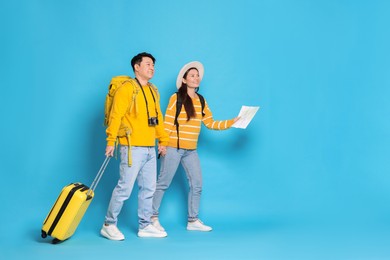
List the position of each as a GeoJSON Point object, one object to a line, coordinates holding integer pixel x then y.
{"type": "Point", "coordinates": [98, 176]}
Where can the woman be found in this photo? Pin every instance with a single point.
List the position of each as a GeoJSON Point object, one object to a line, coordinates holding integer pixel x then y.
{"type": "Point", "coordinates": [183, 142]}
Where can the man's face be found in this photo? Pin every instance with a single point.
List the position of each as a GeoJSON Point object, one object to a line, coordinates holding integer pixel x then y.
{"type": "Point", "coordinates": [145, 69]}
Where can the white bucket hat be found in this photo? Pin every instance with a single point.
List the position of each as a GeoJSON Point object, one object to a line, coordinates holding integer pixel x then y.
{"type": "Point", "coordinates": [192, 64]}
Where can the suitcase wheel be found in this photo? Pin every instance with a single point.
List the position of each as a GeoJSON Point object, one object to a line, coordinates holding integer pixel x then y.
{"type": "Point", "coordinates": [56, 241]}
{"type": "Point", "coordinates": [43, 234]}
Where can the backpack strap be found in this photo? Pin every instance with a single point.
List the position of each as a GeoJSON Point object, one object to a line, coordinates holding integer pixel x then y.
{"type": "Point", "coordinates": [202, 102]}
{"type": "Point", "coordinates": [136, 89]}
{"type": "Point", "coordinates": [127, 128]}
{"type": "Point", "coordinates": [179, 104]}
{"type": "Point", "coordinates": [155, 89]}
{"type": "Point", "coordinates": [133, 99]}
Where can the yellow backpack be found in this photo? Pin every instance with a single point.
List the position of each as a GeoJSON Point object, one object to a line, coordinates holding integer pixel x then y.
{"type": "Point", "coordinates": [115, 84]}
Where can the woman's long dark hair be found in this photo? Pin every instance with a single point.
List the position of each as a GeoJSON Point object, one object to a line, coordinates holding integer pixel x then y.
{"type": "Point", "coordinates": [187, 101]}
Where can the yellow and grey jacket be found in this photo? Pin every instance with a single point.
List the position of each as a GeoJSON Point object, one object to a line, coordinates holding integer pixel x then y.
{"type": "Point", "coordinates": [128, 117]}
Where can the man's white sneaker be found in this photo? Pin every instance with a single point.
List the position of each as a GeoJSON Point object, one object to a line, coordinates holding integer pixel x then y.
{"type": "Point", "coordinates": [111, 232]}
{"type": "Point", "coordinates": [157, 224]}
{"type": "Point", "coordinates": [151, 231]}
{"type": "Point", "coordinates": [198, 225]}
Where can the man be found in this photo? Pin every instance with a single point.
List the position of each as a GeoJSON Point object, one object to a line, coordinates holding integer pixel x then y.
{"type": "Point", "coordinates": [136, 120]}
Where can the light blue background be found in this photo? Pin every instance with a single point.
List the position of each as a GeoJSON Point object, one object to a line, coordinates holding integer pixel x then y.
{"type": "Point", "coordinates": [309, 177]}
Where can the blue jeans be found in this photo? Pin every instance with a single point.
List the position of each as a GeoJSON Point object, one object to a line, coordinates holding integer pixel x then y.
{"type": "Point", "coordinates": [144, 169]}
{"type": "Point", "coordinates": [169, 164]}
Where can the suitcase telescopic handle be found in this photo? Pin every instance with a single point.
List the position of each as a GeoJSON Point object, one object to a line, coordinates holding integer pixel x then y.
{"type": "Point", "coordinates": [98, 176]}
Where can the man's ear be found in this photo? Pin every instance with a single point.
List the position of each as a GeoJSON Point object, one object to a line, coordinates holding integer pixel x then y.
{"type": "Point", "coordinates": [136, 67]}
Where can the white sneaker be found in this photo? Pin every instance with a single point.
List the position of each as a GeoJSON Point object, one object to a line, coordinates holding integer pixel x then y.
{"type": "Point", "coordinates": [198, 225]}
{"type": "Point", "coordinates": [151, 231]}
{"type": "Point", "coordinates": [111, 232]}
{"type": "Point", "coordinates": [157, 224]}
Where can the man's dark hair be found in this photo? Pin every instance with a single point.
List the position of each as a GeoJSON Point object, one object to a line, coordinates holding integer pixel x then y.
{"type": "Point", "coordinates": [138, 58]}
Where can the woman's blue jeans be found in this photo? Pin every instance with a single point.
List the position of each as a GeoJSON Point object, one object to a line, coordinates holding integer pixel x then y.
{"type": "Point", "coordinates": [169, 164]}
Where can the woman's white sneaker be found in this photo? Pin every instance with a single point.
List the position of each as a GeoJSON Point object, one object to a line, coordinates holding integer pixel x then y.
{"type": "Point", "coordinates": [111, 232]}
{"type": "Point", "coordinates": [198, 225]}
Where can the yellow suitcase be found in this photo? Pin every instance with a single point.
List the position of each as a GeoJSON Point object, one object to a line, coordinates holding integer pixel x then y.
{"type": "Point", "coordinates": [69, 209]}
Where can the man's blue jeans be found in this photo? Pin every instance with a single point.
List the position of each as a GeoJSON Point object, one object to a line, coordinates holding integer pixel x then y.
{"type": "Point", "coordinates": [144, 171]}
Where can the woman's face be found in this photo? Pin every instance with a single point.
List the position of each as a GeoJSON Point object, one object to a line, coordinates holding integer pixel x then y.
{"type": "Point", "coordinates": [192, 79]}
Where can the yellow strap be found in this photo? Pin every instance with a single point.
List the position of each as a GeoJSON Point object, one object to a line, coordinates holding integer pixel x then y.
{"type": "Point", "coordinates": [133, 104]}
{"type": "Point", "coordinates": [130, 161]}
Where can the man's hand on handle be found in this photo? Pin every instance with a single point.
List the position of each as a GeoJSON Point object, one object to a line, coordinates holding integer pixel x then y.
{"type": "Point", "coordinates": [110, 150]}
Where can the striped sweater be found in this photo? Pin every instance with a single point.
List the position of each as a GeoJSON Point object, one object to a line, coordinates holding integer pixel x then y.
{"type": "Point", "coordinates": [189, 130]}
